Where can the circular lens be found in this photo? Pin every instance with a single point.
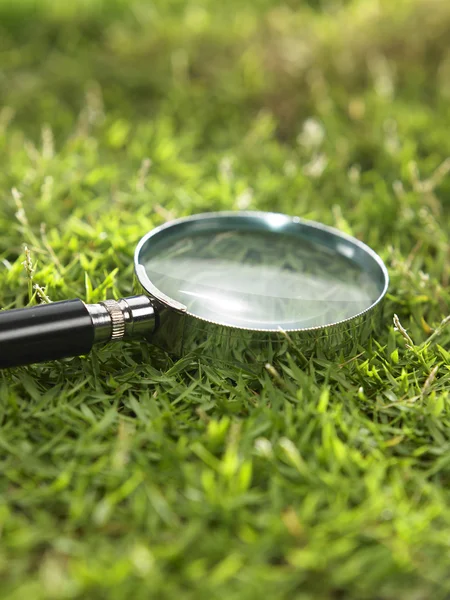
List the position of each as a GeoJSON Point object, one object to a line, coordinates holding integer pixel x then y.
{"type": "Point", "coordinates": [247, 272]}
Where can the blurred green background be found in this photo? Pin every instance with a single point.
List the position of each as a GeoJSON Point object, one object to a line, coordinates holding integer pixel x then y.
{"type": "Point", "coordinates": [129, 475]}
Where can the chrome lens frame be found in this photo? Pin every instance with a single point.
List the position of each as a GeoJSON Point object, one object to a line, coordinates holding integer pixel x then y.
{"type": "Point", "coordinates": [180, 332]}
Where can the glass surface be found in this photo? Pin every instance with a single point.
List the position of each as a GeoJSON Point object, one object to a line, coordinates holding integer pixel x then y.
{"type": "Point", "coordinates": [259, 280]}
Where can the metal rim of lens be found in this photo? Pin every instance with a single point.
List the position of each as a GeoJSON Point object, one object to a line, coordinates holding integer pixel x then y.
{"type": "Point", "coordinates": [263, 218]}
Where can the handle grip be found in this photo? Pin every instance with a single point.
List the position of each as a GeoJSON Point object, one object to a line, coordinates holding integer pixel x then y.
{"type": "Point", "coordinates": [45, 332]}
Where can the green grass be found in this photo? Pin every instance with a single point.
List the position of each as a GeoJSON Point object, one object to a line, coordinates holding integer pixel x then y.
{"type": "Point", "coordinates": [127, 475]}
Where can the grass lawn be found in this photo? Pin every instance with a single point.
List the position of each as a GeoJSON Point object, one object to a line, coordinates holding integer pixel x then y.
{"type": "Point", "coordinates": [127, 474]}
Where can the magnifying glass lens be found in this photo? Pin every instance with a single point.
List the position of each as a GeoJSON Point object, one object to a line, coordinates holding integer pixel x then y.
{"type": "Point", "coordinates": [260, 279]}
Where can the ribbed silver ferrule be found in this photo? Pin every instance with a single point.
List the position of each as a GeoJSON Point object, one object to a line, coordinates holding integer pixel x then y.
{"type": "Point", "coordinates": [117, 319]}
{"type": "Point", "coordinates": [114, 320]}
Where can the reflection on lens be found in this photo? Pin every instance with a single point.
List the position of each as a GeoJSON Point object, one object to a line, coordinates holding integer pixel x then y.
{"type": "Point", "coordinates": [260, 279]}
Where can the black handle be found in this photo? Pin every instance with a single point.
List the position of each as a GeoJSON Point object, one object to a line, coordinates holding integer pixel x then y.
{"type": "Point", "coordinates": [45, 332]}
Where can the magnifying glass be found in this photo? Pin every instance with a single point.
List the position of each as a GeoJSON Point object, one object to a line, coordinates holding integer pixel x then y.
{"type": "Point", "coordinates": [239, 287]}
